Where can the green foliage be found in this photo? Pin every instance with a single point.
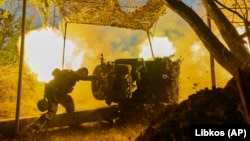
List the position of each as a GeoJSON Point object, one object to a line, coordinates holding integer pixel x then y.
{"type": "Point", "coordinates": [43, 8]}
{"type": "Point", "coordinates": [4, 14]}
{"type": "Point", "coordinates": [10, 31]}
{"type": "Point", "coordinates": [2, 2]}
{"type": "Point", "coordinates": [9, 55]}
{"type": "Point", "coordinates": [8, 38]}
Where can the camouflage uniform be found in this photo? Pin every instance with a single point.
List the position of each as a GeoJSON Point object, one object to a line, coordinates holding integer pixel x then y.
{"type": "Point", "coordinates": [57, 92]}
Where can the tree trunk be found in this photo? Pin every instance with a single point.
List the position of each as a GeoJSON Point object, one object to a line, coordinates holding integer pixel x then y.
{"type": "Point", "coordinates": [45, 7]}
{"type": "Point", "coordinates": [230, 35]}
{"type": "Point", "coordinates": [222, 55]}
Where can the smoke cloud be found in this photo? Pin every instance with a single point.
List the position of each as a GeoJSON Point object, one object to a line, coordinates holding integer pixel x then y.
{"type": "Point", "coordinates": [170, 34]}
{"type": "Point", "coordinates": [124, 43]}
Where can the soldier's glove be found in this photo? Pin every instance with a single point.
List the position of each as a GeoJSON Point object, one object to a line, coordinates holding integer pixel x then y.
{"type": "Point", "coordinates": [82, 72]}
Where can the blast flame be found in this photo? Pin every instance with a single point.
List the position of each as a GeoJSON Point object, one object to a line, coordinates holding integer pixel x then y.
{"type": "Point", "coordinates": [44, 52]}
{"type": "Point", "coordinates": [161, 47]}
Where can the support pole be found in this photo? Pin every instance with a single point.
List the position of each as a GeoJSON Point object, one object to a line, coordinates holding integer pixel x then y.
{"type": "Point", "coordinates": [212, 72]}
{"type": "Point", "coordinates": [150, 44]}
{"type": "Point", "coordinates": [20, 69]}
{"type": "Point", "coordinates": [211, 59]}
{"type": "Point", "coordinates": [64, 43]}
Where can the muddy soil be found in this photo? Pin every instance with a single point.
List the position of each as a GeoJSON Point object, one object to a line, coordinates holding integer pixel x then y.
{"type": "Point", "coordinates": [220, 106]}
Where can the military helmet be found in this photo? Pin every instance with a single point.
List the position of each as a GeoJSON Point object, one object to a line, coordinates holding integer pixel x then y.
{"type": "Point", "coordinates": [43, 105]}
{"type": "Point", "coordinates": [55, 71]}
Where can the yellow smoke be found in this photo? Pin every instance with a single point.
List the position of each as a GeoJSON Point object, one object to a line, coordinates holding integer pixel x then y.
{"type": "Point", "coordinates": [117, 43]}
{"type": "Point", "coordinates": [87, 42]}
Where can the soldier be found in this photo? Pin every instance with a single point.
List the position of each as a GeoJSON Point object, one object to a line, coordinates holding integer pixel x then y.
{"type": "Point", "coordinates": [56, 92]}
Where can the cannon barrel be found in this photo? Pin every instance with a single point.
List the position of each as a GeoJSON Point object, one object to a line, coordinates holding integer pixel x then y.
{"type": "Point", "coordinates": [91, 78]}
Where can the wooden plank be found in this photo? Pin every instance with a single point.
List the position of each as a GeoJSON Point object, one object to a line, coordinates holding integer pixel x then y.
{"type": "Point", "coordinates": [64, 119]}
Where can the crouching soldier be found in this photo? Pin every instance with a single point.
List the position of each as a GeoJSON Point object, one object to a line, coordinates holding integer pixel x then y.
{"type": "Point", "coordinates": [57, 91]}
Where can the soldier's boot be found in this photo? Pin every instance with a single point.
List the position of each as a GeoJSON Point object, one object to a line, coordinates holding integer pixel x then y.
{"type": "Point", "coordinates": [28, 133]}
{"type": "Point", "coordinates": [33, 128]}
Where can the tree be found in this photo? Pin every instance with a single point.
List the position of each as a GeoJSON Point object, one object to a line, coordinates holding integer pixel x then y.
{"type": "Point", "coordinates": [8, 38]}
{"type": "Point", "coordinates": [2, 2]}
{"type": "Point", "coordinates": [10, 30]}
{"type": "Point", "coordinates": [230, 56]}
{"type": "Point", "coordinates": [43, 8]}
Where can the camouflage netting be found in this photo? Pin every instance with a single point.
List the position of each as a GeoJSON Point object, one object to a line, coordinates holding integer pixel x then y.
{"type": "Point", "coordinates": [140, 14]}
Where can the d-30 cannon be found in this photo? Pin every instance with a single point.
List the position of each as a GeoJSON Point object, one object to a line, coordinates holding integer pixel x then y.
{"type": "Point", "coordinates": [133, 80]}
{"type": "Point", "coordinates": [125, 82]}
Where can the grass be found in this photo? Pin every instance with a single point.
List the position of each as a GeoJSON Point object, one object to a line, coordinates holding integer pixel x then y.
{"type": "Point", "coordinates": [94, 132]}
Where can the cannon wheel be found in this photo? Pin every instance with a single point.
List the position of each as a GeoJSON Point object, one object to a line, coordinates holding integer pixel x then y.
{"type": "Point", "coordinates": [97, 86]}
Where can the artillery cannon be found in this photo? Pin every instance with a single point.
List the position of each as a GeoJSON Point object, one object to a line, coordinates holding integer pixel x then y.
{"type": "Point", "coordinates": [133, 80]}
{"type": "Point", "coordinates": [125, 82]}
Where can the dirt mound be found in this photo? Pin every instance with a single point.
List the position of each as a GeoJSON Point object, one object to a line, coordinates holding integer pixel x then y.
{"type": "Point", "coordinates": [216, 107]}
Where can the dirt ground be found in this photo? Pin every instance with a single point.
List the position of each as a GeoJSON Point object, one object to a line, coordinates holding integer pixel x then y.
{"type": "Point", "coordinates": [219, 106]}
{"type": "Point", "coordinates": [172, 122]}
